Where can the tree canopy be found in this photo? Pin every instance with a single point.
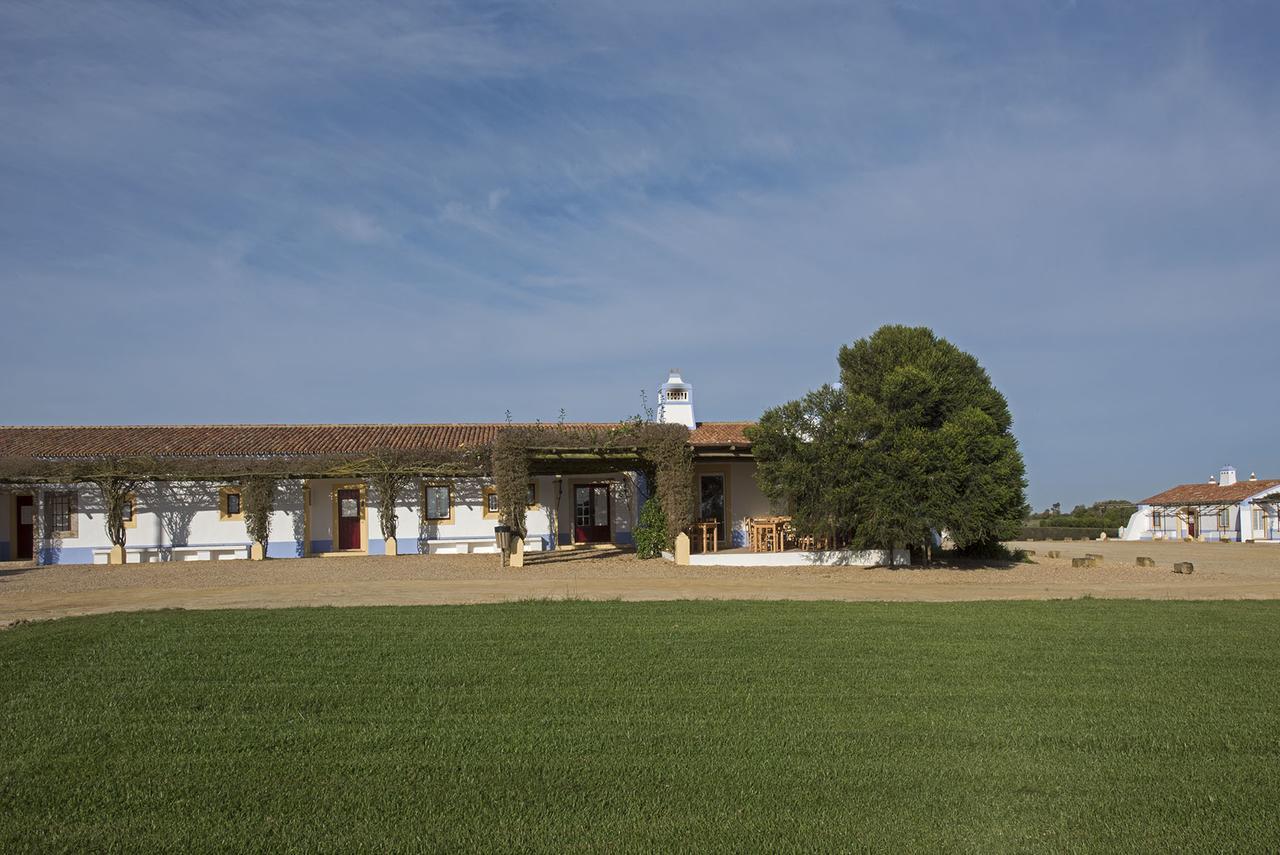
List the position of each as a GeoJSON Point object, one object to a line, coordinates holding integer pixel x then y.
{"type": "Point", "coordinates": [914, 440]}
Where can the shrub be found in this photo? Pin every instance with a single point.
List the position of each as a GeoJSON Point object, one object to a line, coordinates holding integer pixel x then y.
{"type": "Point", "coordinates": [651, 531]}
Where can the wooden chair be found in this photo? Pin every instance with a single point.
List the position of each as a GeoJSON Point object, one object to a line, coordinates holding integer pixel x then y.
{"type": "Point", "coordinates": [710, 530]}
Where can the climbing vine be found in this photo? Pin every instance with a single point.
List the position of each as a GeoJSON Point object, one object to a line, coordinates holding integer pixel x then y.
{"type": "Point", "coordinates": [660, 451]}
{"type": "Point", "coordinates": [258, 493]}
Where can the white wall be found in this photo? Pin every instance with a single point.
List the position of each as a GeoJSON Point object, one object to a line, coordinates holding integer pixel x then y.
{"type": "Point", "coordinates": [169, 517]}
{"type": "Point", "coordinates": [179, 519]}
{"type": "Point", "coordinates": [1139, 525]}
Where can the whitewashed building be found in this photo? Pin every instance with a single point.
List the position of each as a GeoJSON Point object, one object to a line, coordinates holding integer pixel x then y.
{"type": "Point", "coordinates": [62, 524]}
{"type": "Point", "coordinates": [1224, 509]}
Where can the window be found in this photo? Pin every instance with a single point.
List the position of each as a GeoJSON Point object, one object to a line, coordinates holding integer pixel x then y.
{"type": "Point", "coordinates": [438, 502]}
{"type": "Point", "coordinates": [1157, 520]}
{"type": "Point", "coordinates": [61, 513]}
{"type": "Point", "coordinates": [230, 504]}
{"type": "Point", "coordinates": [129, 511]}
{"type": "Point", "coordinates": [1224, 518]}
{"type": "Point", "coordinates": [490, 506]}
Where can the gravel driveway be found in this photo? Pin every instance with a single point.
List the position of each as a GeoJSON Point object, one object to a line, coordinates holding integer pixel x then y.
{"type": "Point", "coordinates": [1222, 571]}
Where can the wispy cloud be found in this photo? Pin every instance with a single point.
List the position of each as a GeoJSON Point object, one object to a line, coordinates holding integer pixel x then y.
{"type": "Point", "coordinates": [536, 206]}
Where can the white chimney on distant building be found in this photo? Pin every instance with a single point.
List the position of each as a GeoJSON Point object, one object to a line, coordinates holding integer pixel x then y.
{"type": "Point", "coordinates": [1227, 476]}
{"type": "Point", "coordinates": [675, 401]}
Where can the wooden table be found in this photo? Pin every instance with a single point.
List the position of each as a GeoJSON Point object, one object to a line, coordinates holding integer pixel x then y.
{"type": "Point", "coordinates": [710, 530]}
{"type": "Point", "coordinates": [767, 533]}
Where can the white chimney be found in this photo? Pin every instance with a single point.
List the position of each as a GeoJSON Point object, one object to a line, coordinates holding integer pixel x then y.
{"type": "Point", "coordinates": [1227, 476]}
{"type": "Point", "coordinates": [1253, 476]}
{"type": "Point", "coordinates": [675, 401]}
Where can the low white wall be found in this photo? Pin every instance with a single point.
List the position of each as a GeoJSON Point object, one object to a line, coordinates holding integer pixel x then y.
{"type": "Point", "coordinates": [830, 558]}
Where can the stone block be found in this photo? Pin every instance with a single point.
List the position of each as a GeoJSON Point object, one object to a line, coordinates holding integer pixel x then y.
{"type": "Point", "coordinates": [1144, 561]}
{"type": "Point", "coordinates": [1185, 567]}
{"type": "Point", "coordinates": [1083, 562]}
{"type": "Point", "coordinates": [1054, 553]}
{"type": "Point", "coordinates": [682, 548]}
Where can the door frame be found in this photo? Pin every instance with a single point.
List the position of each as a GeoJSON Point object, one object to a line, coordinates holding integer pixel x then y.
{"type": "Point", "coordinates": [363, 549]}
{"type": "Point", "coordinates": [723, 471]}
{"type": "Point", "coordinates": [13, 525]}
{"type": "Point", "coordinates": [573, 503]}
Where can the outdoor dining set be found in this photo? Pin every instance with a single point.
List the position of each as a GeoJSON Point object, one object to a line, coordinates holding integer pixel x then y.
{"type": "Point", "coordinates": [764, 534]}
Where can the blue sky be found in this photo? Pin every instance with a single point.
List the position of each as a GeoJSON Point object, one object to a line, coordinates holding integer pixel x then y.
{"type": "Point", "coordinates": [438, 212]}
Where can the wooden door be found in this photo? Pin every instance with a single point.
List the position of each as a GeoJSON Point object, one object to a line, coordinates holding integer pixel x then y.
{"type": "Point", "coordinates": [25, 529]}
{"type": "Point", "coordinates": [591, 513]}
{"type": "Point", "coordinates": [348, 519]}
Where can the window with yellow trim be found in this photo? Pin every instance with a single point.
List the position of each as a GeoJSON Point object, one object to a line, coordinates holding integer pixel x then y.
{"type": "Point", "coordinates": [490, 505]}
{"type": "Point", "coordinates": [230, 504]}
{"type": "Point", "coordinates": [129, 511]}
{"type": "Point", "coordinates": [437, 503]}
{"type": "Point", "coordinates": [60, 514]}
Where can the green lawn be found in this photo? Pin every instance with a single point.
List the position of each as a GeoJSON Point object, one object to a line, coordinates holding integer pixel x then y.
{"type": "Point", "coordinates": [1082, 725]}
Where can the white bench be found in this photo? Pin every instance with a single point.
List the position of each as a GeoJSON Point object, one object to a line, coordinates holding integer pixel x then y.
{"type": "Point", "coordinates": [152, 554]}
{"type": "Point", "coordinates": [446, 546]}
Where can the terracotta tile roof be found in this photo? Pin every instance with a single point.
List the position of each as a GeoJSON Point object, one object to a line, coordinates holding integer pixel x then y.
{"type": "Point", "coordinates": [721, 433]}
{"type": "Point", "coordinates": [253, 440]}
{"type": "Point", "coordinates": [1211, 494]}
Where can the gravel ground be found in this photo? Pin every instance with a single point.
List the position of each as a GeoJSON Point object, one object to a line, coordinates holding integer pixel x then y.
{"type": "Point", "coordinates": [1222, 571]}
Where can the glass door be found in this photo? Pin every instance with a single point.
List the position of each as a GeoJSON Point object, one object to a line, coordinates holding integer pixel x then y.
{"type": "Point", "coordinates": [711, 503]}
{"type": "Point", "coordinates": [591, 513]}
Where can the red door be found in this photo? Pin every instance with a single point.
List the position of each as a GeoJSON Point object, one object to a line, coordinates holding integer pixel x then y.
{"type": "Point", "coordinates": [24, 515]}
{"type": "Point", "coordinates": [591, 513]}
{"type": "Point", "coordinates": [348, 519]}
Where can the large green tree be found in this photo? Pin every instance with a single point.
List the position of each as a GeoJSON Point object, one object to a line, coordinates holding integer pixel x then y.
{"type": "Point", "coordinates": [914, 440]}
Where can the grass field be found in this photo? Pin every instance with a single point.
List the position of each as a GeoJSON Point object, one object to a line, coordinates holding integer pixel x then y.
{"type": "Point", "coordinates": [1051, 726]}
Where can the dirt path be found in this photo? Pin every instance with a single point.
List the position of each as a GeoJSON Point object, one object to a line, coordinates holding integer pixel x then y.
{"type": "Point", "coordinates": [1229, 571]}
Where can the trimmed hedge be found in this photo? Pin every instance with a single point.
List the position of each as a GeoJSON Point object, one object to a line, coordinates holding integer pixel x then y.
{"type": "Point", "coordinates": [1045, 532]}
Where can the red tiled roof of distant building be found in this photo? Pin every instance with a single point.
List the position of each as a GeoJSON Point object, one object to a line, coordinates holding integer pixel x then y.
{"type": "Point", "coordinates": [1211, 494]}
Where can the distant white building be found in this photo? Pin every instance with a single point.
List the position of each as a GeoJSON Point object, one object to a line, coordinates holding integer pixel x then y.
{"type": "Point", "coordinates": [1225, 508]}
